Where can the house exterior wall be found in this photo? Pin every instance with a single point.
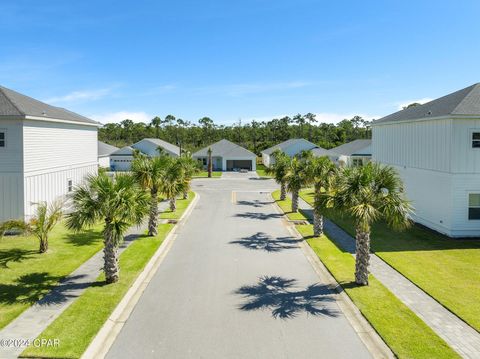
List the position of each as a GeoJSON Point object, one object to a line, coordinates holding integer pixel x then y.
{"type": "Point", "coordinates": [11, 168]}
{"type": "Point", "coordinates": [267, 160]}
{"type": "Point", "coordinates": [292, 150]}
{"type": "Point", "coordinates": [150, 149]}
{"type": "Point", "coordinates": [104, 162]}
{"type": "Point", "coordinates": [439, 168]}
{"type": "Point", "coordinates": [121, 163]}
{"type": "Point", "coordinates": [55, 153]}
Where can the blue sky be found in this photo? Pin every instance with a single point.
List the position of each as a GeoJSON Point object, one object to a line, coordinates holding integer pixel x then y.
{"type": "Point", "coordinates": [237, 60]}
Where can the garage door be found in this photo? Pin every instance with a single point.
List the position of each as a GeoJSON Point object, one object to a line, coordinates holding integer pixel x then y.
{"type": "Point", "coordinates": [239, 165]}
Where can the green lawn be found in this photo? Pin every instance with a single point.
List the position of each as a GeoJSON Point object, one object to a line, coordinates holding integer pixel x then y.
{"type": "Point", "coordinates": [405, 333]}
{"type": "Point", "coordinates": [182, 205]}
{"type": "Point", "coordinates": [90, 311]}
{"type": "Point", "coordinates": [286, 207]}
{"type": "Point", "coordinates": [445, 268]}
{"type": "Point", "coordinates": [26, 276]}
{"type": "Point", "coordinates": [79, 323]}
{"type": "Point", "coordinates": [261, 171]}
{"type": "Point", "coordinates": [204, 174]}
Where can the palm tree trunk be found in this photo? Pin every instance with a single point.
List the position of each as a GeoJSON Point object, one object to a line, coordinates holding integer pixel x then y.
{"type": "Point", "coordinates": [362, 258]}
{"type": "Point", "coordinates": [110, 257]}
{"type": "Point", "coordinates": [152, 220]}
{"type": "Point", "coordinates": [43, 245]}
{"type": "Point", "coordinates": [283, 191]}
{"type": "Point", "coordinates": [317, 214]}
{"type": "Point", "coordinates": [185, 194]}
{"type": "Point", "coordinates": [295, 201]}
{"type": "Point", "coordinates": [173, 204]}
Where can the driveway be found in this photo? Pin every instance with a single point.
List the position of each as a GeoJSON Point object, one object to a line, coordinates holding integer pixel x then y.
{"type": "Point", "coordinates": [236, 285]}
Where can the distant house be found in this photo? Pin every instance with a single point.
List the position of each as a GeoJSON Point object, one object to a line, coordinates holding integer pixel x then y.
{"type": "Point", "coordinates": [321, 152]}
{"type": "Point", "coordinates": [436, 149]}
{"type": "Point", "coordinates": [45, 151]}
{"type": "Point", "coordinates": [104, 152]}
{"type": "Point", "coordinates": [227, 156]}
{"type": "Point", "coordinates": [291, 147]}
{"type": "Point", "coordinates": [121, 159]}
{"type": "Point", "coordinates": [355, 153]}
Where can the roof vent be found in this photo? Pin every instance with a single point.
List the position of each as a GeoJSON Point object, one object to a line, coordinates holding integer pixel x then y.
{"type": "Point", "coordinates": [44, 113]}
{"type": "Point", "coordinates": [429, 112]}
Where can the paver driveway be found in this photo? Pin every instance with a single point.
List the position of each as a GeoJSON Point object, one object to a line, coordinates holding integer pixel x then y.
{"type": "Point", "coordinates": [236, 285]}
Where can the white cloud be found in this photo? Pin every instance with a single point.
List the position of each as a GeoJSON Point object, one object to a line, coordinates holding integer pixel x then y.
{"type": "Point", "coordinates": [116, 117]}
{"type": "Point", "coordinates": [401, 104]}
{"type": "Point", "coordinates": [79, 96]}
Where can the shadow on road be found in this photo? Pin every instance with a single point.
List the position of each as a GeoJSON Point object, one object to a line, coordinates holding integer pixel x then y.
{"type": "Point", "coordinates": [262, 241]}
{"type": "Point", "coordinates": [285, 299]}
{"type": "Point", "coordinates": [255, 203]}
{"type": "Point", "coordinates": [258, 215]}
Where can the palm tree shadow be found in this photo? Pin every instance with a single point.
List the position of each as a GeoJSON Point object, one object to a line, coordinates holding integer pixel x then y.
{"type": "Point", "coordinates": [255, 203]}
{"type": "Point", "coordinates": [259, 216]}
{"type": "Point", "coordinates": [84, 238]}
{"type": "Point", "coordinates": [14, 255]}
{"type": "Point", "coordinates": [262, 241]}
{"type": "Point", "coordinates": [285, 299]}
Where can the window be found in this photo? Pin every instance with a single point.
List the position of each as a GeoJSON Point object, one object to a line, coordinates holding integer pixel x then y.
{"type": "Point", "coordinates": [474, 206]}
{"type": "Point", "coordinates": [357, 162]}
{"type": "Point", "coordinates": [3, 139]}
{"type": "Point", "coordinates": [476, 140]}
{"type": "Point", "coordinates": [69, 185]}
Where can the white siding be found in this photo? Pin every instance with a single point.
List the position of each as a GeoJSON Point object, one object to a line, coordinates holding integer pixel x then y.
{"type": "Point", "coordinates": [53, 185]}
{"type": "Point", "coordinates": [267, 159]}
{"type": "Point", "coordinates": [51, 145]}
{"type": "Point", "coordinates": [121, 163]}
{"type": "Point", "coordinates": [463, 185]}
{"type": "Point", "coordinates": [465, 159]}
{"type": "Point", "coordinates": [421, 144]}
{"type": "Point", "coordinates": [11, 160]}
{"type": "Point", "coordinates": [104, 162]}
{"type": "Point", "coordinates": [11, 196]}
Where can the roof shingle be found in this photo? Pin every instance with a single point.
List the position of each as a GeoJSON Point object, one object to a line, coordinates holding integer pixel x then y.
{"type": "Point", "coordinates": [225, 148]}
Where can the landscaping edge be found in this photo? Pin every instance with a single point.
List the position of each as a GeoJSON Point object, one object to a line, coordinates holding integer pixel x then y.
{"type": "Point", "coordinates": [106, 336]}
{"type": "Point", "coordinates": [368, 335]}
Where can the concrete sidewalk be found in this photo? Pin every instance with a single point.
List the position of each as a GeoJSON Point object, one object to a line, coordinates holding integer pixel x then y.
{"type": "Point", "coordinates": [33, 321]}
{"type": "Point", "coordinates": [459, 335]}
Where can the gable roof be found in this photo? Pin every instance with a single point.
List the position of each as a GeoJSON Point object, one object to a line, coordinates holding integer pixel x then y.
{"type": "Point", "coordinates": [286, 144]}
{"type": "Point", "coordinates": [161, 143]}
{"type": "Point", "coordinates": [225, 148]}
{"type": "Point", "coordinates": [14, 104]}
{"type": "Point", "coordinates": [320, 152]}
{"type": "Point", "coordinates": [124, 151]}
{"type": "Point", "coordinates": [104, 149]}
{"type": "Point", "coordinates": [356, 147]}
{"type": "Point", "coordinates": [462, 102]}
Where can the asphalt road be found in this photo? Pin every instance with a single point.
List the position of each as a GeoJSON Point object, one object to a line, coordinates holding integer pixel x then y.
{"type": "Point", "coordinates": [236, 285]}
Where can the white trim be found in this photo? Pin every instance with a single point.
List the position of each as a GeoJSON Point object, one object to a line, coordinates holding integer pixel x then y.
{"type": "Point", "coordinates": [48, 119]}
{"type": "Point", "coordinates": [447, 117]}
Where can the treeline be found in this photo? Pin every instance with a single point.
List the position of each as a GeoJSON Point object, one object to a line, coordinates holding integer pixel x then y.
{"type": "Point", "coordinates": [255, 135]}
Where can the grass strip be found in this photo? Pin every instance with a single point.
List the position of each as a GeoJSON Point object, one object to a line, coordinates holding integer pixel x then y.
{"type": "Point", "coordinates": [286, 206]}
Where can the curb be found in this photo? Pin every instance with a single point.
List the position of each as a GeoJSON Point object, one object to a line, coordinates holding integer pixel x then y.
{"type": "Point", "coordinates": [367, 334]}
{"type": "Point", "coordinates": [106, 336]}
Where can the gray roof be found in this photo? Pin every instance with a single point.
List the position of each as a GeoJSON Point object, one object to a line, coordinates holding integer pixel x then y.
{"type": "Point", "coordinates": [163, 144]}
{"type": "Point", "coordinates": [104, 149]}
{"type": "Point", "coordinates": [286, 144]}
{"type": "Point", "coordinates": [356, 147]}
{"type": "Point", "coordinates": [124, 151]}
{"type": "Point", "coordinates": [320, 152]}
{"type": "Point", "coordinates": [225, 148]}
{"type": "Point", "coordinates": [462, 102]}
{"type": "Point", "coordinates": [14, 104]}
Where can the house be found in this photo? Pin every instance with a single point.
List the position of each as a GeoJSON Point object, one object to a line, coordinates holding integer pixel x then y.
{"type": "Point", "coordinates": [291, 147]}
{"type": "Point", "coordinates": [435, 147]}
{"type": "Point", "coordinates": [227, 156]}
{"type": "Point", "coordinates": [104, 152]}
{"type": "Point", "coordinates": [121, 159]}
{"type": "Point", "coordinates": [354, 153]}
{"type": "Point", "coordinates": [44, 152]}
{"type": "Point", "coordinates": [321, 152]}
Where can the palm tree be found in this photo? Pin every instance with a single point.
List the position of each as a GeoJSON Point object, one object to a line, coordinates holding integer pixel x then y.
{"type": "Point", "coordinates": [370, 193]}
{"type": "Point", "coordinates": [149, 173]}
{"type": "Point", "coordinates": [190, 167]}
{"type": "Point", "coordinates": [279, 170]}
{"type": "Point", "coordinates": [119, 202]}
{"type": "Point", "coordinates": [296, 178]}
{"type": "Point", "coordinates": [210, 164]}
{"type": "Point", "coordinates": [172, 181]}
{"type": "Point", "coordinates": [46, 217]}
{"type": "Point", "coordinates": [320, 171]}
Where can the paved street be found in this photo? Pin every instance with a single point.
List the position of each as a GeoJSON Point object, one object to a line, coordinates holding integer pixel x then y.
{"type": "Point", "coordinates": [236, 285]}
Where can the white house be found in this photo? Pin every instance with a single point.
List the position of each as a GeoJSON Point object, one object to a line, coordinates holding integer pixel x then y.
{"type": "Point", "coordinates": [121, 160]}
{"type": "Point", "coordinates": [227, 156]}
{"type": "Point", "coordinates": [291, 147]}
{"type": "Point", "coordinates": [436, 149]}
{"type": "Point", "coordinates": [354, 153]}
{"type": "Point", "coordinates": [44, 152]}
{"type": "Point", "coordinates": [104, 152]}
